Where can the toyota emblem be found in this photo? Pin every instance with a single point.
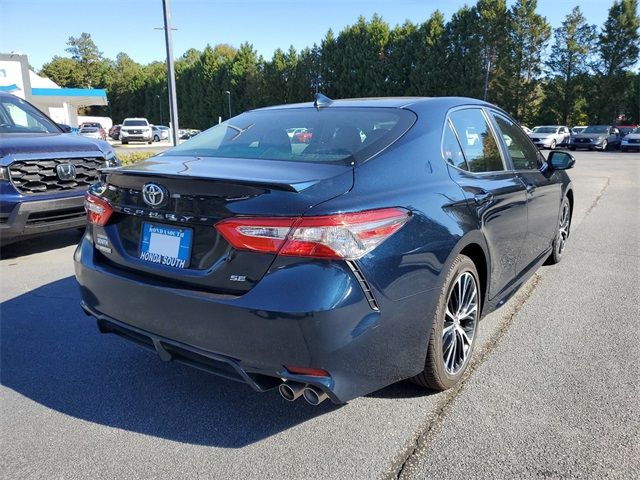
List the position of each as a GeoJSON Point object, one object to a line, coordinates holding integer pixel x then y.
{"type": "Point", "coordinates": [153, 194]}
{"type": "Point", "coordinates": [66, 171]}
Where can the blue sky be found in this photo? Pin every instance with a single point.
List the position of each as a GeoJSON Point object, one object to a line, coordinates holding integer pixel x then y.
{"type": "Point", "coordinates": [40, 28]}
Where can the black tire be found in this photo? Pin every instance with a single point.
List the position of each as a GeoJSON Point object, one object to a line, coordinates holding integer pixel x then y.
{"type": "Point", "coordinates": [150, 142]}
{"type": "Point", "coordinates": [124, 142]}
{"type": "Point", "coordinates": [558, 245]}
{"type": "Point", "coordinates": [435, 374]}
{"type": "Point", "coordinates": [156, 138]}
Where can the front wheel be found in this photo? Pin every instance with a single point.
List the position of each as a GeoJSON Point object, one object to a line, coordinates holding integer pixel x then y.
{"type": "Point", "coordinates": [605, 144]}
{"type": "Point", "coordinates": [553, 145]}
{"type": "Point", "coordinates": [453, 331]}
{"type": "Point", "coordinates": [562, 234]}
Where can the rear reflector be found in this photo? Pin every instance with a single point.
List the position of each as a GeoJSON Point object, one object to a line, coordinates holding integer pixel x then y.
{"type": "Point", "coordinates": [98, 210]}
{"type": "Point", "coordinates": [311, 372]}
{"type": "Point", "coordinates": [346, 236]}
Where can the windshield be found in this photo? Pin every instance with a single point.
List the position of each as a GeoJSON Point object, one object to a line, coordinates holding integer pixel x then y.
{"type": "Point", "coordinates": [545, 129]}
{"type": "Point", "coordinates": [339, 135]}
{"type": "Point", "coordinates": [596, 129]}
{"type": "Point", "coordinates": [135, 123]}
{"type": "Point", "coordinates": [18, 116]}
{"type": "Point", "coordinates": [625, 130]}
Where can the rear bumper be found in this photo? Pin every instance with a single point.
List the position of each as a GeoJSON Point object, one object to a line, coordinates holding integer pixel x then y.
{"type": "Point", "coordinates": [311, 314]}
{"type": "Point", "coordinates": [34, 217]}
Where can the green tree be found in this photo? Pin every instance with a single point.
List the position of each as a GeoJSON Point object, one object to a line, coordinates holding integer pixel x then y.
{"type": "Point", "coordinates": [618, 48]}
{"type": "Point", "coordinates": [529, 33]}
{"type": "Point", "coordinates": [63, 71]}
{"type": "Point", "coordinates": [429, 77]}
{"type": "Point", "coordinates": [567, 66]}
{"type": "Point", "coordinates": [89, 59]}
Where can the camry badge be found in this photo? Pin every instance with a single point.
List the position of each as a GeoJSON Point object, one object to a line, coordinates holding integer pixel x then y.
{"type": "Point", "coordinates": [153, 194]}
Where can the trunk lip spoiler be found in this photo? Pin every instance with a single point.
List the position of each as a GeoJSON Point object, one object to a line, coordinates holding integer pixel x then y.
{"type": "Point", "coordinates": [296, 187]}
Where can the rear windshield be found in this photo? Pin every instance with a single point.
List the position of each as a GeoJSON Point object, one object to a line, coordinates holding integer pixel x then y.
{"type": "Point", "coordinates": [135, 123]}
{"type": "Point", "coordinates": [331, 134]}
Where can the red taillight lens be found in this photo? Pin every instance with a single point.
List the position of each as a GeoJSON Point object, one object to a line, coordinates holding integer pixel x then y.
{"type": "Point", "coordinates": [98, 210]}
{"type": "Point", "coordinates": [343, 236]}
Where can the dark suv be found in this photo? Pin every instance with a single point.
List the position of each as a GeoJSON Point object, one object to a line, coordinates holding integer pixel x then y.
{"type": "Point", "coordinates": [44, 172]}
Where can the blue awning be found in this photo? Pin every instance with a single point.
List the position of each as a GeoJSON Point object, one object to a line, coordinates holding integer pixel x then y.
{"type": "Point", "coordinates": [70, 92]}
{"type": "Point", "coordinates": [9, 88]}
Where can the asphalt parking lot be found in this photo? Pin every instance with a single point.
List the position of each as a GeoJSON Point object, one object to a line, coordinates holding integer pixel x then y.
{"type": "Point", "coordinates": [552, 391]}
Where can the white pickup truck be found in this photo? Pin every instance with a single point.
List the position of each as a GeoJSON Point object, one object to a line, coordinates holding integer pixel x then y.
{"type": "Point", "coordinates": [136, 130]}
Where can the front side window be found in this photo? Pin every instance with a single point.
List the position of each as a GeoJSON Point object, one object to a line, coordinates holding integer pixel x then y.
{"type": "Point", "coordinates": [331, 134]}
{"type": "Point", "coordinates": [478, 142]}
{"type": "Point", "coordinates": [523, 153]}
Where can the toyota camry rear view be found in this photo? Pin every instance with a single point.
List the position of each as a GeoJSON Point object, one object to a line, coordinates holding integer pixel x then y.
{"type": "Point", "coordinates": [331, 265]}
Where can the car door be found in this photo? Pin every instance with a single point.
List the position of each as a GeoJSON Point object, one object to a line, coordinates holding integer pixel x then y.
{"type": "Point", "coordinates": [495, 194]}
{"type": "Point", "coordinates": [543, 187]}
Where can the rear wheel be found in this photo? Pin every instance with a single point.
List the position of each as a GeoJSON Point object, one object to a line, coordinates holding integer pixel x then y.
{"type": "Point", "coordinates": [454, 327]}
{"type": "Point", "coordinates": [562, 235]}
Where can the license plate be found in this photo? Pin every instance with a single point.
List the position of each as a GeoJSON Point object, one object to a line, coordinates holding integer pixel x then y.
{"type": "Point", "coordinates": [165, 245]}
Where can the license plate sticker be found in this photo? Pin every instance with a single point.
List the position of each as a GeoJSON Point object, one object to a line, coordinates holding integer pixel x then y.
{"type": "Point", "coordinates": [164, 245]}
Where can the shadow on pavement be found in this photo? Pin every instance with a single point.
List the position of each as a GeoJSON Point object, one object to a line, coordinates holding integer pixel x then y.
{"type": "Point", "coordinates": [43, 243]}
{"type": "Point", "coordinates": [53, 354]}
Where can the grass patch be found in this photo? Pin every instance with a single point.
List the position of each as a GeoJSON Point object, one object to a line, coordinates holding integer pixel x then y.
{"type": "Point", "coordinates": [134, 157]}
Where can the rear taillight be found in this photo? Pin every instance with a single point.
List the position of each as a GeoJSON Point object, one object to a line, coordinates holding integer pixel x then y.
{"type": "Point", "coordinates": [346, 236]}
{"type": "Point", "coordinates": [98, 210]}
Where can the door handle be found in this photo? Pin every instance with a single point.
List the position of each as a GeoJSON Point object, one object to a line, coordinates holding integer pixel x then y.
{"type": "Point", "coordinates": [530, 188]}
{"type": "Point", "coordinates": [483, 197]}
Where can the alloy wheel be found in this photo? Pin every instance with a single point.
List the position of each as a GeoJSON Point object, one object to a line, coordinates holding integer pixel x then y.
{"type": "Point", "coordinates": [461, 317]}
{"type": "Point", "coordinates": [563, 229]}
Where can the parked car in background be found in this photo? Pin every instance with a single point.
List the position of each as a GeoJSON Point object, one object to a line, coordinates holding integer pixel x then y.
{"type": "Point", "coordinates": [102, 134]}
{"type": "Point", "coordinates": [44, 173]}
{"type": "Point", "coordinates": [596, 137]}
{"type": "Point", "coordinates": [160, 132]}
{"type": "Point", "coordinates": [625, 129]}
{"type": "Point", "coordinates": [526, 129]}
{"type": "Point", "coordinates": [136, 130]}
{"type": "Point", "coordinates": [333, 270]}
{"type": "Point", "coordinates": [631, 141]}
{"type": "Point", "coordinates": [114, 132]}
{"type": "Point", "coordinates": [550, 136]}
{"type": "Point", "coordinates": [578, 129]}
{"type": "Point", "coordinates": [90, 132]}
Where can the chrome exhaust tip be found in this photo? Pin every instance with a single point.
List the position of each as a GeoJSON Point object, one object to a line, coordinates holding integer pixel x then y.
{"type": "Point", "coordinates": [291, 391]}
{"type": "Point", "coordinates": [314, 396]}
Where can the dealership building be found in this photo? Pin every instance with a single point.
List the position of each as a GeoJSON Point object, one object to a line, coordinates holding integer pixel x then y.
{"type": "Point", "coordinates": [61, 104]}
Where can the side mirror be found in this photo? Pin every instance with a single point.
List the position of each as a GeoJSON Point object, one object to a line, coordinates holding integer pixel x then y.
{"type": "Point", "coordinates": [65, 128]}
{"type": "Point", "coordinates": [558, 160]}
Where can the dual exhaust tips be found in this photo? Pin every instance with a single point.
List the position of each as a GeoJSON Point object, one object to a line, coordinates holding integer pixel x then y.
{"type": "Point", "coordinates": [291, 391]}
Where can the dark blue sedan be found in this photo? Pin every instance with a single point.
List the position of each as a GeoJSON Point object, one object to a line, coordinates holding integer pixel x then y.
{"type": "Point", "coordinates": [329, 265]}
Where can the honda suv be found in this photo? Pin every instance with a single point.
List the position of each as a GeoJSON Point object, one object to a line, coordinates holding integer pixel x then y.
{"type": "Point", "coordinates": [44, 172]}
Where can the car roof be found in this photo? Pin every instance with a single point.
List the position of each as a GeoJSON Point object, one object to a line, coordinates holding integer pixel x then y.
{"type": "Point", "coordinates": [390, 102]}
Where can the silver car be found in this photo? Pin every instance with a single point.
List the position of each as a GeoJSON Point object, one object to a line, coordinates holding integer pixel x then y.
{"type": "Point", "coordinates": [631, 141]}
{"type": "Point", "coordinates": [550, 136]}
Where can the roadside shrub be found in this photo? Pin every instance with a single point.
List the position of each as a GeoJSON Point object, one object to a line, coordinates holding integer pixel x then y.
{"type": "Point", "coordinates": [134, 157]}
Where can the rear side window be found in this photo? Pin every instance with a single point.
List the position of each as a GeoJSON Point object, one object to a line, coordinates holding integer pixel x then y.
{"type": "Point", "coordinates": [451, 148]}
{"type": "Point", "coordinates": [523, 153]}
{"type": "Point", "coordinates": [478, 143]}
{"type": "Point", "coordinates": [331, 134]}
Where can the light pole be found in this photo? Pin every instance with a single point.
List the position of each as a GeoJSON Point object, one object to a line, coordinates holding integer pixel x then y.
{"type": "Point", "coordinates": [171, 75]}
{"type": "Point", "coordinates": [160, 105]}
{"type": "Point", "coordinates": [229, 101]}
